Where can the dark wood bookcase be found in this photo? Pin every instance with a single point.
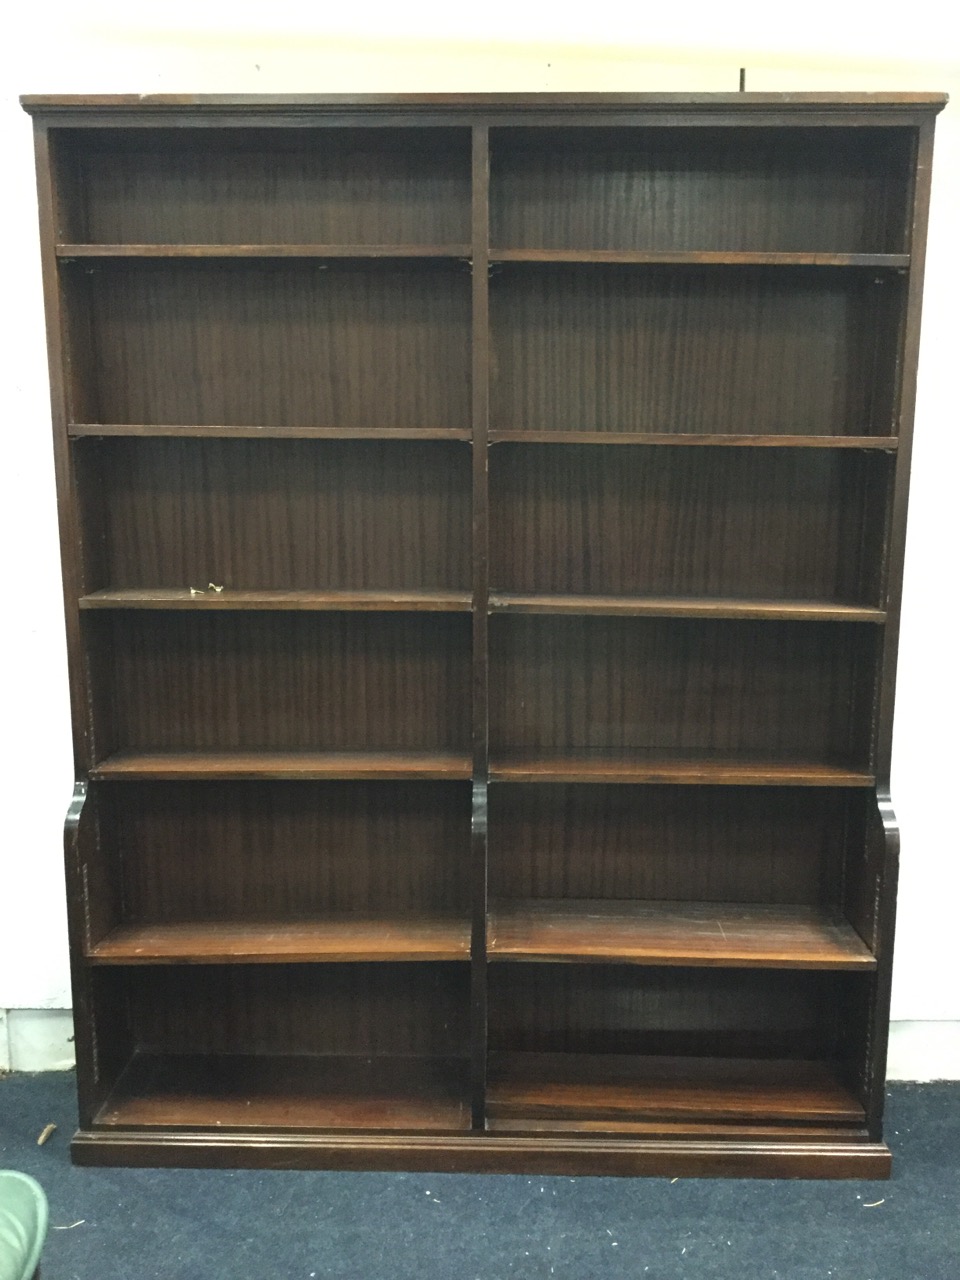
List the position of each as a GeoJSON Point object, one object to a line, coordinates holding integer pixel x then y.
{"type": "Point", "coordinates": [483, 525]}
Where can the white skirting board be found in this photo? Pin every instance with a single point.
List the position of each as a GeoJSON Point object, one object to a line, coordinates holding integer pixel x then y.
{"type": "Point", "coordinates": [42, 1040]}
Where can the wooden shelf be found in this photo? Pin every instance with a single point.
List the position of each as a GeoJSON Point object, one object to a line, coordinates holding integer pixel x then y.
{"type": "Point", "coordinates": [703, 257]}
{"type": "Point", "coordinates": [79, 430]}
{"type": "Point", "coordinates": [607, 767]}
{"type": "Point", "coordinates": [886, 444]}
{"type": "Point", "coordinates": [257, 1091]}
{"type": "Point", "coordinates": [694, 934]}
{"type": "Point", "coordinates": [580, 1088]}
{"type": "Point", "coordinates": [306, 765]}
{"type": "Point", "coordinates": [306, 601]}
{"type": "Point", "coordinates": [285, 942]}
{"type": "Point", "coordinates": [685, 607]}
{"type": "Point", "coordinates": [384, 251]}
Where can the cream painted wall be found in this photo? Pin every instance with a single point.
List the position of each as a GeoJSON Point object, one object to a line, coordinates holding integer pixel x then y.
{"type": "Point", "coordinates": [204, 46]}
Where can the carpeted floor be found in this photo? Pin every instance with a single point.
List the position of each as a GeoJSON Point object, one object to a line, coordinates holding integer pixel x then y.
{"type": "Point", "coordinates": [138, 1224]}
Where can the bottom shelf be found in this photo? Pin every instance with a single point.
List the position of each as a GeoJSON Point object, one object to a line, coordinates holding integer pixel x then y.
{"type": "Point", "coordinates": [297, 1093]}
{"type": "Point", "coordinates": [616, 1093]}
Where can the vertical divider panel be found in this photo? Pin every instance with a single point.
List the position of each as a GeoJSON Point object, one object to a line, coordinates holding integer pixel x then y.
{"type": "Point", "coordinates": [481, 592]}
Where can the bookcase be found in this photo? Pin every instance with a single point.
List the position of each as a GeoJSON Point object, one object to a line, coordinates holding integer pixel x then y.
{"type": "Point", "coordinates": [483, 525]}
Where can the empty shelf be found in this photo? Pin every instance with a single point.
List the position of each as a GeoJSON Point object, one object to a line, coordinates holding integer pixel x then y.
{"type": "Point", "coordinates": [685, 607]}
{"type": "Point", "coordinates": [612, 1087]}
{"type": "Point", "coordinates": [259, 1091]}
{"type": "Point", "coordinates": [242, 765]}
{"type": "Point", "coordinates": [585, 767]}
{"type": "Point", "coordinates": [386, 251]}
{"type": "Point", "coordinates": [279, 942]}
{"type": "Point", "coordinates": [887, 444]}
{"type": "Point", "coordinates": [675, 933]}
{"type": "Point", "coordinates": [252, 431]}
{"type": "Point", "coordinates": [703, 257]}
{"type": "Point", "coordinates": [426, 601]}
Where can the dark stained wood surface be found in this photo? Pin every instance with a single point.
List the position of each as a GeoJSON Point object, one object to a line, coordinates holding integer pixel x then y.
{"type": "Point", "coordinates": [672, 1156]}
{"type": "Point", "coordinates": [671, 1131]}
{"type": "Point", "coordinates": [236, 342]}
{"type": "Point", "coordinates": [582, 521]}
{"type": "Point", "coordinates": [611, 1086]}
{"type": "Point", "coordinates": [364, 1009]}
{"type": "Point", "coordinates": [768, 349]}
{"type": "Point", "coordinates": [887, 444]}
{"type": "Point", "coordinates": [680, 689]}
{"type": "Point", "coordinates": [281, 1092]}
{"type": "Point", "coordinates": [733, 844]}
{"type": "Point", "coordinates": [700, 1012]}
{"type": "Point", "coordinates": [212, 850]}
{"type": "Point", "coordinates": [676, 607]}
{"type": "Point", "coordinates": [575, 766]}
{"type": "Point", "coordinates": [412, 102]}
{"type": "Point", "coordinates": [724, 190]}
{"type": "Point", "coordinates": [285, 941]}
{"type": "Point", "coordinates": [286, 682]}
{"type": "Point", "coordinates": [480, 408]}
{"type": "Point", "coordinates": [274, 251]}
{"type": "Point", "coordinates": [254, 432]}
{"type": "Point", "coordinates": [252, 765]}
{"type": "Point", "coordinates": [696, 257]}
{"type": "Point", "coordinates": [309, 601]}
{"type": "Point", "coordinates": [350, 517]}
{"type": "Point", "coordinates": [739, 935]}
{"type": "Point", "coordinates": [368, 186]}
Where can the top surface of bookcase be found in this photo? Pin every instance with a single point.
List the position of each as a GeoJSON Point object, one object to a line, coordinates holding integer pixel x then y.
{"type": "Point", "coordinates": [38, 102]}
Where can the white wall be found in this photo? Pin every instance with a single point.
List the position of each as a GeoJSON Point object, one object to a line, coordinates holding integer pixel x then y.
{"type": "Point", "coordinates": [204, 46]}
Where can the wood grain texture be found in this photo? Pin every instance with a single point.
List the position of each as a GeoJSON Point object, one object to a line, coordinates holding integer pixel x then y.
{"type": "Point", "coordinates": [67, 251]}
{"type": "Point", "coordinates": [611, 1086]}
{"type": "Point", "coordinates": [680, 439]}
{"type": "Point", "coordinates": [697, 257]}
{"type": "Point", "coordinates": [671, 607]}
{"type": "Point", "coordinates": [412, 106]}
{"type": "Point", "coordinates": [287, 1092]}
{"type": "Point", "coordinates": [223, 682]}
{"type": "Point", "coordinates": [371, 1010]}
{"type": "Point", "coordinates": [663, 349]}
{"type": "Point", "coordinates": [184, 852]}
{"type": "Point", "coordinates": [793, 190]}
{"type": "Point", "coordinates": [749, 691]}
{"type": "Point", "coordinates": [674, 1156]}
{"type": "Point", "coordinates": [591, 1008]}
{"type": "Point", "coordinates": [253, 766]}
{"type": "Point", "coordinates": [734, 935]}
{"type": "Point", "coordinates": [382, 601]}
{"type": "Point", "coordinates": [366, 186]}
{"type": "Point", "coordinates": [707, 769]}
{"type": "Point", "coordinates": [283, 516]}
{"type": "Point", "coordinates": [108, 430]}
{"type": "Point", "coordinates": [272, 344]}
{"type": "Point", "coordinates": [788, 525]}
{"type": "Point", "coordinates": [775, 845]}
{"type": "Point", "coordinates": [286, 941]}
{"type": "Point", "coordinates": [674, 1130]}
{"type": "Point", "coordinates": [480, 408]}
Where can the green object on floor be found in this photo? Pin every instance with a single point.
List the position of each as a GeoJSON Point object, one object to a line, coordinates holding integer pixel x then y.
{"type": "Point", "coordinates": [23, 1225]}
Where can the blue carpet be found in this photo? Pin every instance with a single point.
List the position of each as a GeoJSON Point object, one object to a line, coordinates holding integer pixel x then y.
{"type": "Point", "coordinates": [137, 1224]}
